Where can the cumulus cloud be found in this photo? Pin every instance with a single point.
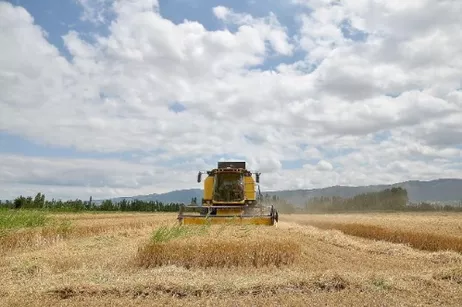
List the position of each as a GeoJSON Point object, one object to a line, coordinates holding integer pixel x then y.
{"type": "Point", "coordinates": [376, 93]}
{"type": "Point", "coordinates": [221, 12]}
{"type": "Point", "coordinates": [268, 28]}
{"type": "Point", "coordinates": [323, 165]}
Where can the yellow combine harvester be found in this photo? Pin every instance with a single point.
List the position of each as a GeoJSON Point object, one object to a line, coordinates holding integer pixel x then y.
{"type": "Point", "coordinates": [229, 197]}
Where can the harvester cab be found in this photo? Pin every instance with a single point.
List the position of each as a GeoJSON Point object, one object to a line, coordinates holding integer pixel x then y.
{"type": "Point", "coordinates": [229, 197]}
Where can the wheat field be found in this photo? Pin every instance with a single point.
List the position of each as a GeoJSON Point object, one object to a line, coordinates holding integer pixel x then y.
{"type": "Point", "coordinates": [140, 259]}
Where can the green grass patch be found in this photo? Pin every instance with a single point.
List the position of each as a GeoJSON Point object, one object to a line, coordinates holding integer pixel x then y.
{"type": "Point", "coordinates": [167, 233]}
{"type": "Point", "coordinates": [16, 219]}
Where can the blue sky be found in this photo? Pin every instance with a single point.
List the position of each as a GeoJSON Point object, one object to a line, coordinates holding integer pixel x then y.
{"type": "Point", "coordinates": [58, 17]}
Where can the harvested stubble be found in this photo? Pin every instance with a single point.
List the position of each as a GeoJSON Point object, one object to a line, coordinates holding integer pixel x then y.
{"type": "Point", "coordinates": [202, 247]}
{"type": "Point", "coordinates": [309, 284]}
{"type": "Point", "coordinates": [450, 274]}
{"type": "Point", "coordinates": [420, 240]}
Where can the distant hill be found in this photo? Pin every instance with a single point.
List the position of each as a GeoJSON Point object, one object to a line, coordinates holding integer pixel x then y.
{"type": "Point", "coordinates": [439, 190]}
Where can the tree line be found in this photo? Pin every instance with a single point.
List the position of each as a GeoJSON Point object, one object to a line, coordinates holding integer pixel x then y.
{"type": "Point", "coordinates": [394, 199]}
{"type": "Point", "coordinates": [40, 202]}
{"type": "Point", "coordinates": [387, 200]}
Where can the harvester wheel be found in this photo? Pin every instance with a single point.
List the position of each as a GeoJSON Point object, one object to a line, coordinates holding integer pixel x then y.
{"type": "Point", "coordinates": [204, 211]}
{"type": "Point", "coordinates": [274, 215]}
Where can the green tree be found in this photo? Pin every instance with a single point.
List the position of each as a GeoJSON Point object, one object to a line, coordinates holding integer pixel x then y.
{"type": "Point", "coordinates": [39, 200]}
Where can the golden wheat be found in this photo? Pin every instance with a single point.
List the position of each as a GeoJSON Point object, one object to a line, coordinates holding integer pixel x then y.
{"type": "Point", "coordinates": [442, 223]}
{"type": "Point", "coordinates": [419, 240]}
{"type": "Point", "coordinates": [217, 247]}
{"type": "Point", "coordinates": [330, 268]}
{"type": "Point", "coordinates": [66, 229]}
{"type": "Point", "coordinates": [207, 252]}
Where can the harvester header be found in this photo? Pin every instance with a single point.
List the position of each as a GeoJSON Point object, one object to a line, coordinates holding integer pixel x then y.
{"type": "Point", "coordinates": [229, 196]}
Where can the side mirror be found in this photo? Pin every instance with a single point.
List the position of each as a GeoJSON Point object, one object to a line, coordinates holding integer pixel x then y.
{"type": "Point", "coordinates": [257, 179]}
{"type": "Point", "coordinates": [199, 176]}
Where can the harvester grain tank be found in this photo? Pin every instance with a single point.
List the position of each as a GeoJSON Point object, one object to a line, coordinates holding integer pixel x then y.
{"type": "Point", "coordinates": [229, 196]}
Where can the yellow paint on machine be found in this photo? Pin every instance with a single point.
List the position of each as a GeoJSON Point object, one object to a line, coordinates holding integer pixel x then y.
{"type": "Point", "coordinates": [227, 211]}
{"type": "Point", "coordinates": [208, 188]}
{"type": "Point", "coordinates": [227, 220]}
{"type": "Point", "coordinates": [249, 188]}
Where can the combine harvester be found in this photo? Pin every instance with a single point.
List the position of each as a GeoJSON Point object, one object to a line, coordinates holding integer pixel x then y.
{"type": "Point", "coordinates": [229, 197]}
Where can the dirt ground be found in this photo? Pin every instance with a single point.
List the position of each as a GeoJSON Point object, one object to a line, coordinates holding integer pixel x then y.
{"type": "Point", "coordinates": [97, 268]}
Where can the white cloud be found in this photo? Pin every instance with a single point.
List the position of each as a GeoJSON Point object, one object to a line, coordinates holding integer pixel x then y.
{"type": "Point", "coordinates": [323, 165]}
{"type": "Point", "coordinates": [268, 28]}
{"type": "Point", "coordinates": [401, 79]}
{"type": "Point", "coordinates": [76, 178]}
{"type": "Point", "coordinates": [95, 11]}
{"type": "Point", "coordinates": [221, 12]}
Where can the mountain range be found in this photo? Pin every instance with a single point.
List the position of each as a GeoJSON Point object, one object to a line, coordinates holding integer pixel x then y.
{"type": "Point", "coordinates": [439, 190]}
